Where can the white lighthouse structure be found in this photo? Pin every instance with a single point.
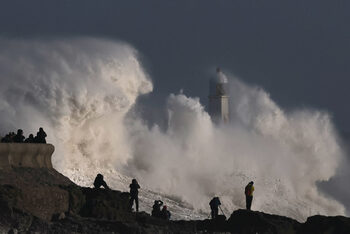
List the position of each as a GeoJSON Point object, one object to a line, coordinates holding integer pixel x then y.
{"type": "Point", "coordinates": [218, 98]}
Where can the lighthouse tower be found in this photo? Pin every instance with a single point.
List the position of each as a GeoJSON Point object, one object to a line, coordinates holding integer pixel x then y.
{"type": "Point", "coordinates": [218, 98]}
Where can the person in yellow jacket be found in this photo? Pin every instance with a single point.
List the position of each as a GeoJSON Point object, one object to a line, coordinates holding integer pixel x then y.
{"type": "Point", "coordinates": [249, 189]}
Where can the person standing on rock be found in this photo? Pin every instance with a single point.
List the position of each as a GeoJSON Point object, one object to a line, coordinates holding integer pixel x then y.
{"type": "Point", "coordinates": [249, 189]}
{"type": "Point", "coordinates": [214, 206]}
{"type": "Point", "coordinates": [134, 194]}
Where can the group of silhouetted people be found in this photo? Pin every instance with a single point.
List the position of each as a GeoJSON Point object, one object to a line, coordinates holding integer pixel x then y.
{"type": "Point", "coordinates": [134, 197]}
{"type": "Point", "coordinates": [215, 202]}
{"type": "Point", "coordinates": [160, 213]}
{"type": "Point", "coordinates": [11, 137]}
{"type": "Point", "coordinates": [163, 213]}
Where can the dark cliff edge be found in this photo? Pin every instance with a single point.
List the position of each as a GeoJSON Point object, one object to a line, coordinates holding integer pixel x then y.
{"type": "Point", "coordinates": [41, 200]}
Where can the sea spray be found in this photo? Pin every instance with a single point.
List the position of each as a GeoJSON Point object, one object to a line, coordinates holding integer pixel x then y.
{"type": "Point", "coordinates": [285, 154]}
{"type": "Point", "coordinates": [81, 89]}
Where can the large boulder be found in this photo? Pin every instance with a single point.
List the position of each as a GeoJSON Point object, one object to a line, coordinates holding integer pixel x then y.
{"type": "Point", "coordinates": [105, 204]}
{"type": "Point", "coordinates": [34, 191]}
{"type": "Point", "coordinates": [245, 221]}
{"type": "Point", "coordinates": [43, 200]}
{"type": "Point", "coordinates": [326, 225]}
{"type": "Point", "coordinates": [45, 193]}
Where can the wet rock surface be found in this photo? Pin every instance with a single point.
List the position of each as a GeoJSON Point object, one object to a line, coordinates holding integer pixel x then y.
{"type": "Point", "coordinates": [44, 201]}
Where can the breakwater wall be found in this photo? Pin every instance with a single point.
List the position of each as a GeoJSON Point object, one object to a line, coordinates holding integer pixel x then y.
{"type": "Point", "coordinates": [25, 155]}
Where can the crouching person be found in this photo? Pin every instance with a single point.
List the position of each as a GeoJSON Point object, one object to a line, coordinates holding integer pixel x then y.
{"type": "Point", "coordinates": [165, 214]}
{"type": "Point", "coordinates": [156, 212]}
{"type": "Point", "coordinates": [100, 182]}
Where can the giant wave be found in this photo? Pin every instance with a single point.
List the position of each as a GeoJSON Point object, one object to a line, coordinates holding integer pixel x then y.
{"type": "Point", "coordinates": [81, 90]}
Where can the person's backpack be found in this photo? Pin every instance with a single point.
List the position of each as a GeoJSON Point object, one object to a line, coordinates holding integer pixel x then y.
{"type": "Point", "coordinates": [217, 200]}
{"type": "Point", "coordinates": [248, 190]}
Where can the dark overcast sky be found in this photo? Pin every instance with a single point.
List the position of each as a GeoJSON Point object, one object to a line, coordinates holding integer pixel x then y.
{"type": "Point", "coordinates": [297, 50]}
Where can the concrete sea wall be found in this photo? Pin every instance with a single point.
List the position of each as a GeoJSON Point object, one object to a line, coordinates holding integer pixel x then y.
{"type": "Point", "coordinates": [25, 155]}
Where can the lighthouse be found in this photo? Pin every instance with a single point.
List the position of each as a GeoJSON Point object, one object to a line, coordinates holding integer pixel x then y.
{"type": "Point", "coordinates": [218, 98]}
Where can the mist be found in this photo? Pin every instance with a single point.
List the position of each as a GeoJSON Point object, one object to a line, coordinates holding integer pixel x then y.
{"type": "Point", "coordinates": [82, 90]}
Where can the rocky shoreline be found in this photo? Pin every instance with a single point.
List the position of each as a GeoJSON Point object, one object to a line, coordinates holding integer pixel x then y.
{"type": "Point", "coordinates": [41, 200]}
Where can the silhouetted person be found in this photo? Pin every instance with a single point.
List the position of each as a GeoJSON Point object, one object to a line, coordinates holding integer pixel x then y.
{"type": "Point", "coordinates": [100, 182]}
{"type": "Point", "coordinates": [12, 135]}
{"type": "Point", "coordinates": [156, 208]}
{"type": "Point", "coordinates": [40, 136]}
{"type": "Point", "coordinates": [30, 139]}
{"type": "Point", "coordinates": [214, 206]}
{"type": "Point", "coordinates": [249, 189]}
{"type": "Point", "coordinates": [6, 139]}
{"type": "Point", "coordinates": [134, 194]}
{"type": "Point", "coordinates": [19, 138]}
{"type": "Point", "coordinates": [165, 214]}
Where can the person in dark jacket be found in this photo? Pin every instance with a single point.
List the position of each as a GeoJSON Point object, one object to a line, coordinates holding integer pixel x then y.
{"type": "Point", "coordinates": [156, 208]}
{"type": "Point", "coordinates": [248, 191]}
{"type": "Point", "coordinates": [40, 136]}
{"type": "Point", "coordinates": [214, 206]}
{"type": "Point", "coordinates": [6, 139]}
{"type": "Point", "coordinates": [19, 138]}
{"type": "Point", "coordinates": [165, 214]}
{"type": "Point", "coordinates": [12, 135]}
{"type": "Point", "coordinates": [30, 139]}
{"type": "Point", "coordinates": [100, 182]}
{"type": "Point", "coordinates": [134, 194]}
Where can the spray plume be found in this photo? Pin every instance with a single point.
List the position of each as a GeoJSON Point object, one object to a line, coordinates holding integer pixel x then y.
{"type": "Point", "coordinates": [80, 90]}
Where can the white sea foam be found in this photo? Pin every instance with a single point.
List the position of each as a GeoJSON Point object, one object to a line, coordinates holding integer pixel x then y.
{"type": "Point", "coordinates": [81, 89]}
